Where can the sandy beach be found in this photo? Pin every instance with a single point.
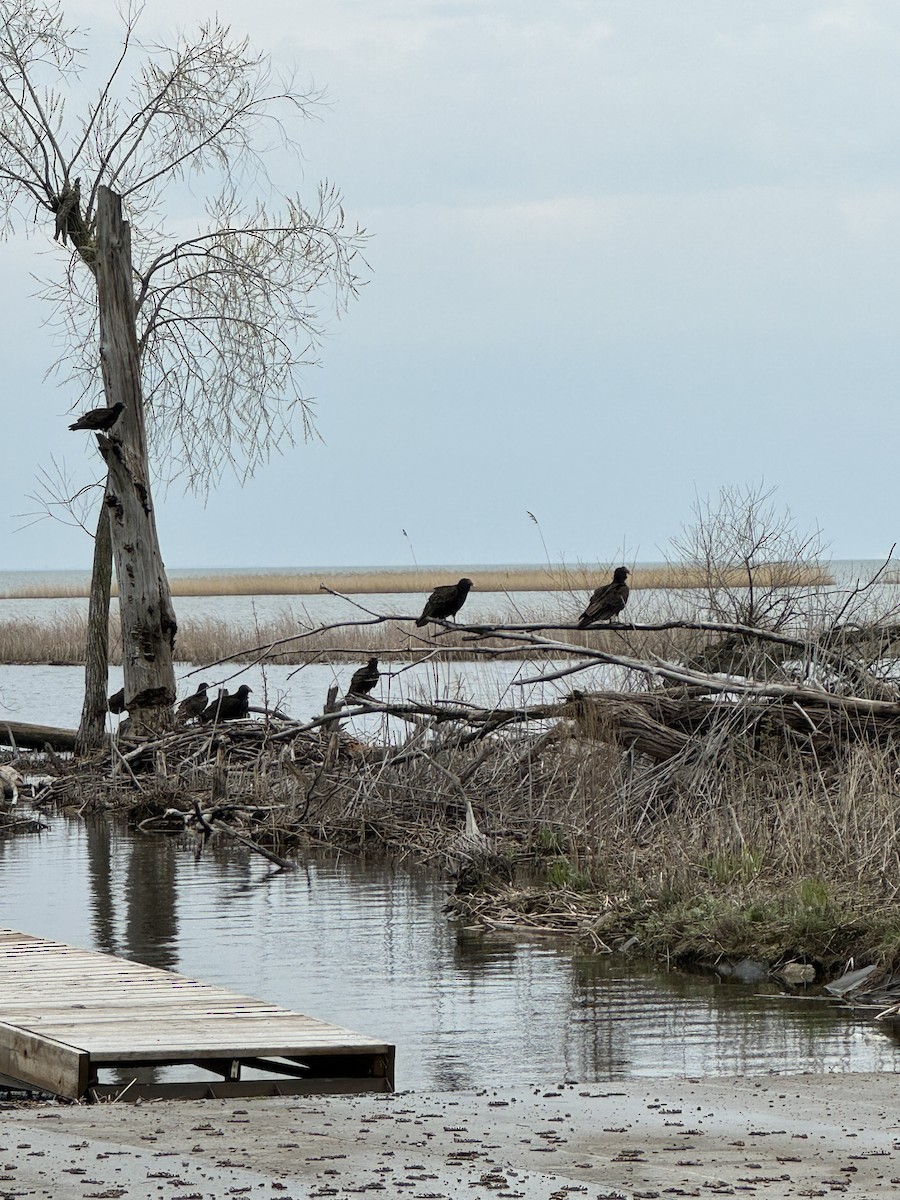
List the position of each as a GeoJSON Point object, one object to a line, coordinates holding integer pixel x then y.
{"type": "Point", "coordinates": [787, 1135]}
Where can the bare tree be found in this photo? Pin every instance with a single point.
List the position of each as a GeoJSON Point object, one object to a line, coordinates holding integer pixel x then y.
{"type": "Point", "coordinates": [225, 317]}
{"type": "Point", "coordinates": [758, 571]}
{"type": "Point", "coordinates": [759, 568]}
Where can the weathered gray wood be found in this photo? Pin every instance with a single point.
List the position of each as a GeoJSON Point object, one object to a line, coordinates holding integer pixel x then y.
{"type": "Point", "coordinates": [120, 1014]}
{"type": "Point", "coordinates": [43, 1062]}
{"type": "Point", "coordinates": [92, 728]}
{"type": "Point", "coordinates": [145, 604]}
{"type": "Point", "coordinates": [35, 737]}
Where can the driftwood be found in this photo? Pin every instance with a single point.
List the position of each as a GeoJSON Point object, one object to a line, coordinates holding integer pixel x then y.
{"type": "Point", "coordinates": [625, 720]}
{"type": "Point", "coordinates": [22, 735]}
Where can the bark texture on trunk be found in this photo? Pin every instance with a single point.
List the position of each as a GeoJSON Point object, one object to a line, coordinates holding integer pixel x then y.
{"type": "Point", "coordinates": [145, 604]}
{"type": "Point", "coordinates": [92, 729]}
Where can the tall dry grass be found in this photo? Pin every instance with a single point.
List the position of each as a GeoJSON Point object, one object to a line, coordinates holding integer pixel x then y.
{"type": "Point", "coordinates": [552, 578]}
{"type": "Point", "coordinates": [207, 640]}
{"type": "Point", "coordinates": [731, 849]}
{"type": "Point", "coordinates": [60, 641]}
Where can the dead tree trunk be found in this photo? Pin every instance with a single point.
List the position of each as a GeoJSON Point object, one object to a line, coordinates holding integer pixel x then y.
{"type": "Point", "coordinates": [145, 604]}
{"type": "Point", "coordinates": [92, 729]}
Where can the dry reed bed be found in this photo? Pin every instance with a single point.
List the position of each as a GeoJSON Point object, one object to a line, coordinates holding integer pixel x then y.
{"type": "Point", "coordinates": [552, 578]}
{"type": "Point", "coordinates": [209, 640]}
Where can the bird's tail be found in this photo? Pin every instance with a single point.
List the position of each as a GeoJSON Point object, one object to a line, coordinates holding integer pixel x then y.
{"type": "Point", "coordinates": [420, 621]}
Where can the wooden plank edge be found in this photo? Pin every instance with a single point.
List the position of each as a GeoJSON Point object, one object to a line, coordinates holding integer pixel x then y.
{"type": "Point", "coordinates": [43, 1062]}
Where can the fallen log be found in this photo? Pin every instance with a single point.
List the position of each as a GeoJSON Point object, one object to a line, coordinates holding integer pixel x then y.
{"type": "Point", "coordinates": [619, 718]}
{"type": "Point", "coordinates": [21, 735]}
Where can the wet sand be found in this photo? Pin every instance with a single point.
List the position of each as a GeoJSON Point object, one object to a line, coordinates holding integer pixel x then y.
{"type": "Point", "coordinates": [790, 1135]}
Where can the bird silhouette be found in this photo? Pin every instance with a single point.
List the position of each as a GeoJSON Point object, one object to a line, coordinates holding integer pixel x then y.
{"type": "Point", "coordinates": [445, 602]}
{"type": "Point", "coordinates": [116, 702]}
{"type": "Point", "coordinates": [99, 419]}
{"type": "Point", "coordinates": [228, 706]}
{"type": "Point", "coordinates": [193, 706]}
{"type": "Point", "coordinates": [364, 679]}
{"type": "Point", "coordinates": [68, 204]}
{"type": "Point", "coordinates": [607, 601]}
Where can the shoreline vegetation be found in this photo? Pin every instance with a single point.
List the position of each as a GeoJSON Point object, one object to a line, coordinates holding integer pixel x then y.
{"type": "Point", "coordinates": [734, 797]}
{"type": "Point", "coordinates": [291, 639]}
{"type": "Point", "coordinates": [552, 578]}
{"type": "Point", "coordinates": [286, 641]}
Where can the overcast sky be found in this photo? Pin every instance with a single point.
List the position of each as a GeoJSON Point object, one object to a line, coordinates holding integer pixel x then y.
{"type": "Point", "coordinates": [623, 253]}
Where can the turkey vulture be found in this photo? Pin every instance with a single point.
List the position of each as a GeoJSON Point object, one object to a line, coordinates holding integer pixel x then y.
{"type": "Point", "coordinates": [228, 707]}
{"type": "Point", "coordinates": [364, 680]}
{"type": "Point", "coordinates": [445, 602]}
{"type": "Point", "coordinates": [193, 706]}
{"type": "Point", "coordinates": [116, 702]}
{"type": "Point", "coordinates": [607, 601]}
{"type": "Point", "coordinates": [99, 419]}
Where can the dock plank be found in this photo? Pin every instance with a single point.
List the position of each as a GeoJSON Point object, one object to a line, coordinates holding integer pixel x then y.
{"type": "Point", "coordinates": [66, 1012]}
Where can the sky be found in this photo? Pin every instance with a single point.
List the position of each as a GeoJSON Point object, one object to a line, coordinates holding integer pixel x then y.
{"type": "Point", "coordinates": [622, 254]}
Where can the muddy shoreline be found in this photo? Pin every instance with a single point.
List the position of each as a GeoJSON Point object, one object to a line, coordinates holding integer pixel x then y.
{"type": "Point", "coordinates": [776, 1135]}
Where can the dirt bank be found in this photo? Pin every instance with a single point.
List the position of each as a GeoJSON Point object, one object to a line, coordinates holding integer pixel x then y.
{"type": "Point", "coordinates": [791, 1135]}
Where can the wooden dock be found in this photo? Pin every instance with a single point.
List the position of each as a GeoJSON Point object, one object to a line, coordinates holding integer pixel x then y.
{"type": "Point", "coordinates": [66, 1015]}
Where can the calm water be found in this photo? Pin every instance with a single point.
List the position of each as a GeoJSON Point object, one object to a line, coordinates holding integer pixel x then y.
{"type": "Point", "coordinates": [369, 947]}
{"type": "Point", "coordinates": [53, 695]}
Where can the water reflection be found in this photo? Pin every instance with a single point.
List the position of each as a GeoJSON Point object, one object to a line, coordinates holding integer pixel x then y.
{"type": "Point", "coordinates": [150, 894]}
{"type": "Point", "coordinates": [368, 946]}
{"type": "Point", "coordinates": [99, 866]}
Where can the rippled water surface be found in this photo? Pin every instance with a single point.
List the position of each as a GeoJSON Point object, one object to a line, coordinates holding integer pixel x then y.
{"type": "Point", "coordinates": [368, 946]}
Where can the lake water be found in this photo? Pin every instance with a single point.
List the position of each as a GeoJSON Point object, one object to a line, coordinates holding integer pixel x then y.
{"type": "Point", "coordinates": [48, 695]}
{"type": "Point", "coordinates": [368, 946]}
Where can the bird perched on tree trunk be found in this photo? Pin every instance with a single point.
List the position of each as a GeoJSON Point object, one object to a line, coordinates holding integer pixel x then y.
{"type": "Point", "coordinates": [99, 419]}
{"type": "Point", "coordinates": [193, 706]}
{"type": "Point", "coordinates": [607, 601]}
{"type": "Point", "coordinates": [445, 602]}
{"type": "Point", "coordinates": [116, 702]}
{"type": "Point", "coordinates": [67, 210]}
{"type": "Point", "coordinates": [364, 680]}
{"type": "Point", "coordinates": [227, 707]}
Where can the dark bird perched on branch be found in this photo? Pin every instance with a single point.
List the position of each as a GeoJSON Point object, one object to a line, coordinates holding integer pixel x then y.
{"type": "Point", "coordinates": [99, 419]}
{"type": "Point", "coordinates": [364, 680]}
{"type": "Point", "coordinates": [116, 702]}
{"type": "Point", "coordinates": [193, 706]}
{"type": "Point", "coordinates": [607, 601]}
{"type": "Point", "coordinates": [210, 712]}
{"type": "Point", "coordinates": [67, 206]}
{"type": "Point", "coordinates": [227, 707]}
{"type": "Point", "coordinates": [445, 602]}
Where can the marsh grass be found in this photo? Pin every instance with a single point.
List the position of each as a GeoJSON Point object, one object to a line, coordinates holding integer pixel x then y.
{"type": "Point", "coordinates": [205, 640]}
{"type": "Point", "coordinates": [61, 640]}
{"type": "Point", "coordinates": [725, 854]}
{"type": "Point", "coordinates": [552, 578]}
